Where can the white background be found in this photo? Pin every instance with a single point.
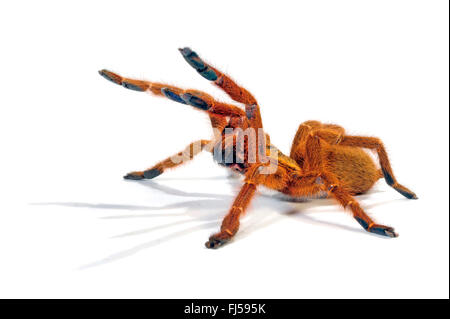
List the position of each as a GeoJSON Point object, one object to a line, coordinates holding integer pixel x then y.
{"type": "Point", "coordinates": [70, 226]}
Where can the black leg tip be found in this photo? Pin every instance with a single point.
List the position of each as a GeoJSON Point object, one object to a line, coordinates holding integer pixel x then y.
{"type": "Point", "coordinates": [133, 176]}
{"type": "Point", "coordinates": [383, 231]}
{"type": "Point", "coordinates": [409, 195]}
{"type": "Point", "coordinates": [172, 95]}
{"type": "Point", "coordinates": [214, 243]}
{"type": "Point", "coordinates": [185, 51]}
{"type": "Point", "coordinates": [412, 196]}
{"type": "Point", "coordinates": [192, 58]}
{"type": "Point", "coordinates": [388, 177]}
{"type": "Point", "coordinates": [152, 173]}
{"type": "Point", "coordinates": [362, 222]}
{"type": "Point", "coordinates": [198, 64]}
{"type": "Point", "coordinates": [195, 101]}
{"type": "Point", "coordinates": [208, 74]}
{"type": "Point", "coordinates": [110, 76]}
{"type": "Point", "coordinates": [132, 86]}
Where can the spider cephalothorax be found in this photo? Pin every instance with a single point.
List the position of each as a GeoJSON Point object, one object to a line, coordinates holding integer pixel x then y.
{"type": "Point", "coordinates": [322, 160]}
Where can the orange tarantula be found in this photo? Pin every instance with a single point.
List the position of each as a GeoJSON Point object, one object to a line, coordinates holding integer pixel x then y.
{"type": "Point", "coordinates": [322, 160]}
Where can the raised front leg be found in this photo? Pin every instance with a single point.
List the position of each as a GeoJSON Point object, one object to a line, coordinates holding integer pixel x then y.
{"type": "Point", "coordinates": [236, 92]}
{"type": "Point", "coordinates": [197, 99]}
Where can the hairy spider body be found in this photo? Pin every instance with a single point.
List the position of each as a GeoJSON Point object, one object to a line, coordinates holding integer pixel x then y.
{"type": "Point", "coordinates": [323, 160]}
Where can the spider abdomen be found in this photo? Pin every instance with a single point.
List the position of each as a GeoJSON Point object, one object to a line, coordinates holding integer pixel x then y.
{"type": "Point", "coordinates": [354, 168]}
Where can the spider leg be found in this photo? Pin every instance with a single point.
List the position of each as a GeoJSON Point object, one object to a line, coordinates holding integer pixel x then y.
{"type": "Point", "coordinates": [376, 144]}
{"type": "Point", "coordinates": [230, 224]}
{"type": "Point", "coordinates": [315, 166]}
{"type": "Point", "coordinates": [182, 157]}
{"type": "Point", "coordinates": [236, 92]}
{"type": "Point", "coordinates": [331, 133]}
{"type": "Point", "coordinates": [306, 185]}
{"type": "Point", "coordinates": [223, 81]}
{"type": "Point", "coordinates": [217, 111]}
{"type": "Point", "coordinates": [194, 98]}
{"type": "Point", "coordinates": [346, 200]}
{"type": "Point", "coordinates": [135, 85]}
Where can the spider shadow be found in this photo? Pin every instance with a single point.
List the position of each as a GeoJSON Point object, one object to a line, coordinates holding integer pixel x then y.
{"type": "Point", "coordinates": [206, 211]}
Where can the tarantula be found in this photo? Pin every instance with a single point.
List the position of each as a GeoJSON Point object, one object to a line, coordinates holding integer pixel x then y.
{"type": "Point", "coordinates": [322, 160]}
